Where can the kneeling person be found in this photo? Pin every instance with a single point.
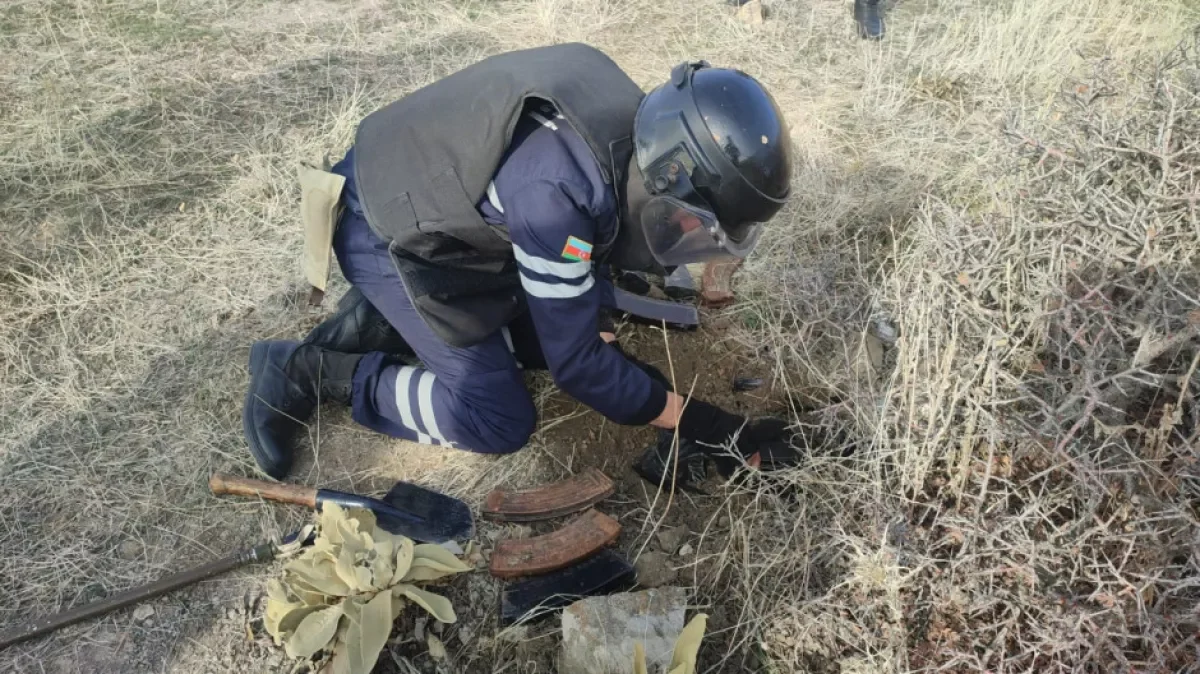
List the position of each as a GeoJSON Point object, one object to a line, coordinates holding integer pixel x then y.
{"type": "Point", "coordinates": [481, 215]}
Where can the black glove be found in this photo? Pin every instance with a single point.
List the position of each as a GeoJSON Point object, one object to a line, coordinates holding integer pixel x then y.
{"type": "Point", "coordinates": [765, 442]}
{"type": "Point", "coordinates": [657, 464]}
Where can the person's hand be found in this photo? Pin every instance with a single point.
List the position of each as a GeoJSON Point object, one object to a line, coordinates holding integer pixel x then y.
{"type": "Point", "coordinates": [762, 442]}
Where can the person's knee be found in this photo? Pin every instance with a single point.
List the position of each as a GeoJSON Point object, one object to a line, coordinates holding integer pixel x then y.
{"type": "Point", "coordinates": [508, 432]}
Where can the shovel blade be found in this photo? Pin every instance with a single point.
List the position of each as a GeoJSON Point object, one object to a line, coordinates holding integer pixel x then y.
{"type": "Point", "coordinates": [408, 510]}
{"type": "Point", "coordinates": [454, 516]}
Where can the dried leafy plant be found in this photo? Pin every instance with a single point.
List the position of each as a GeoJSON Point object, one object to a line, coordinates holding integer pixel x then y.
{"type": "Point", "coordinates": [342, 594]}
{"type": "Point", "coordinates": [687, 646]}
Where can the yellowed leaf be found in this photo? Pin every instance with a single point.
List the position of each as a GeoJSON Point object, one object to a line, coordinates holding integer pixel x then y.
{"type": "Point", "coordinates": [404, 559]}
{"type": "Point", "coordinates": [314, 632]}
{"type": "Point", "coordinates": [437, 557]}
{"type": "Point", "coordinates": [347, 527]}
{"type": "Point", "coordinates": [363, 518]}
{"type": "Point", "coordinates": [353, 539]}
{"type": "Point", "coordinates": [329, 517]}
{"type": "Point", "coordinates": [340, 663]}
{"type": "Point", "coordinates": [277, 592]}
{"type": "Point", "coordinates": [366, 633]}
{"type": "Point", "coordinates": [282, 617]}
{"type": "Point", "coordinates": [419, 574]}
{"type": "Point", "coordinates": [431, 562]}
{"type": "Point", "coordinates": [437, 650]}
{"type": "Point", "coordinates": [313, 574]}
{"type": "Point", "coordinates": [639, 658]}
{"type": "Point", "coordinates": [438, 606]}
{"type": "Point", "coordinates": [687, 647]}
{"type": "Point", "coordinates": [345, 569]}
{"type": "Point", "coordinates": [383, 566]}
{"type": "Point", "coordinates": [309, 596]}
{"type": "Point", "coordinates": [352, 609]}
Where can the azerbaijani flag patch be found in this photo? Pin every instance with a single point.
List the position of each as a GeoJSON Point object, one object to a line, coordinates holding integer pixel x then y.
{"type": "Point", "coordinates": [577, 249]}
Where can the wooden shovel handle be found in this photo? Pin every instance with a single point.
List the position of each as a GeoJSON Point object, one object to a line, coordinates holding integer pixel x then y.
{"type": "Point", "coordinates": [221, 484]}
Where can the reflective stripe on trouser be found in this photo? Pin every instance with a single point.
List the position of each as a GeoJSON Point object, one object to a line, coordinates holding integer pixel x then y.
{"type": "Point", "coordinates": [471, 398]}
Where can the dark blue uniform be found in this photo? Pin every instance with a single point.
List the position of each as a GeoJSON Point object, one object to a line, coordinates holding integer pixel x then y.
{"type": "Point", "coordinates": [549, 195]}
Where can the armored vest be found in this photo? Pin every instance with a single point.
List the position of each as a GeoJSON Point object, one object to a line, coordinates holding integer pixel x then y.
{"type": "Point", "coordinates": [424, 162]}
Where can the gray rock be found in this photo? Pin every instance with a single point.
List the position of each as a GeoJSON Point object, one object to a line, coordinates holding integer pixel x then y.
{"type": "Point", "coordinates": [598, 633]}
{"type": "Point", "coordinates": [685, 550]}
{"type": "Point", "coordinates": [654, 569]}
{"type": "Point", "coordinates": [142, 613]}
{"type": "Point", "coordinates": [669, 538]}
{"type": "Point", "coordinates": [129, 550]}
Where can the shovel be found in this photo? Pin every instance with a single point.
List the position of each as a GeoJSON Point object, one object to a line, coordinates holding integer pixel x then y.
{"type": "Point", "coordinates": [407, 510]}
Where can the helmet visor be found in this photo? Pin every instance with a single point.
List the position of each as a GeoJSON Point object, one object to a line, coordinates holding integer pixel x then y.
{"type": "Point", "coordinates": [682, 233]}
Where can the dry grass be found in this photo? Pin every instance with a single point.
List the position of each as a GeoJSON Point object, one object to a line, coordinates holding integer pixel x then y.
{"type": "Point", "coordinates": [1013, 183]}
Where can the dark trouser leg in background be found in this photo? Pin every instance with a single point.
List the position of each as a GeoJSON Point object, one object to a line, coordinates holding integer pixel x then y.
{"type": "Point", "coordinates": [869, 16]}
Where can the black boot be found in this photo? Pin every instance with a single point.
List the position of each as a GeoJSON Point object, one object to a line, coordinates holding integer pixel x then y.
{"type": "Point", "coordinates": [287, 381]}
{"type": "Point", "coordinates": [869, 16]}
{"type": "Point", "coordinates": [358, 327]}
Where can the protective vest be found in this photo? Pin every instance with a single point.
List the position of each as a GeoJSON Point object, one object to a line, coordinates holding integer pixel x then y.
{"type": "Point", "coordinates": [424, 162]}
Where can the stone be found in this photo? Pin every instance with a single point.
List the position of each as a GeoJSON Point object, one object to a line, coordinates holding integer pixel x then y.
{"type": "Point", "coordinates": [751, 13]}
{"type": "Point", "coordinates": [142, 613]}
{"type": "Point", "coordinates": [686, 550]}
{"type": "Point", "coordinates": [129, 550]}
{"type": "Point", "coordinates": [669, 538]}
{"type": "Point", "coordinates": [598, 633]}
{"type": "Point", "coordinates": [654, 569]}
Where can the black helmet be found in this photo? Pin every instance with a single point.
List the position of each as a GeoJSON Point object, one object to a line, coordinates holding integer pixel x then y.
{"type": "Point", "coordinates": [716, 161]}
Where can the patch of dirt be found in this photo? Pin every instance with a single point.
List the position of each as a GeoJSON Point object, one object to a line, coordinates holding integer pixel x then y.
{"type": "Point", "coordinates": [570, 439]}
{"type": "Point", "coordinates": [586, 440]}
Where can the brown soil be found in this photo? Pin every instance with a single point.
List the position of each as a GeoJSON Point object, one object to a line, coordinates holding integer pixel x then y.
{"type": "Point", "coordinates": [584, 441]}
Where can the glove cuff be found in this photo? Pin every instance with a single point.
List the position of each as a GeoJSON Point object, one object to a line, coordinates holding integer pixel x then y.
{"type": "Point", "coordinates": [707, 423]}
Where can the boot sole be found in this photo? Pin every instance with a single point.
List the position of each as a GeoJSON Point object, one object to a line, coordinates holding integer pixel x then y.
{"type": "Point", "coordinates": [259, 353]}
